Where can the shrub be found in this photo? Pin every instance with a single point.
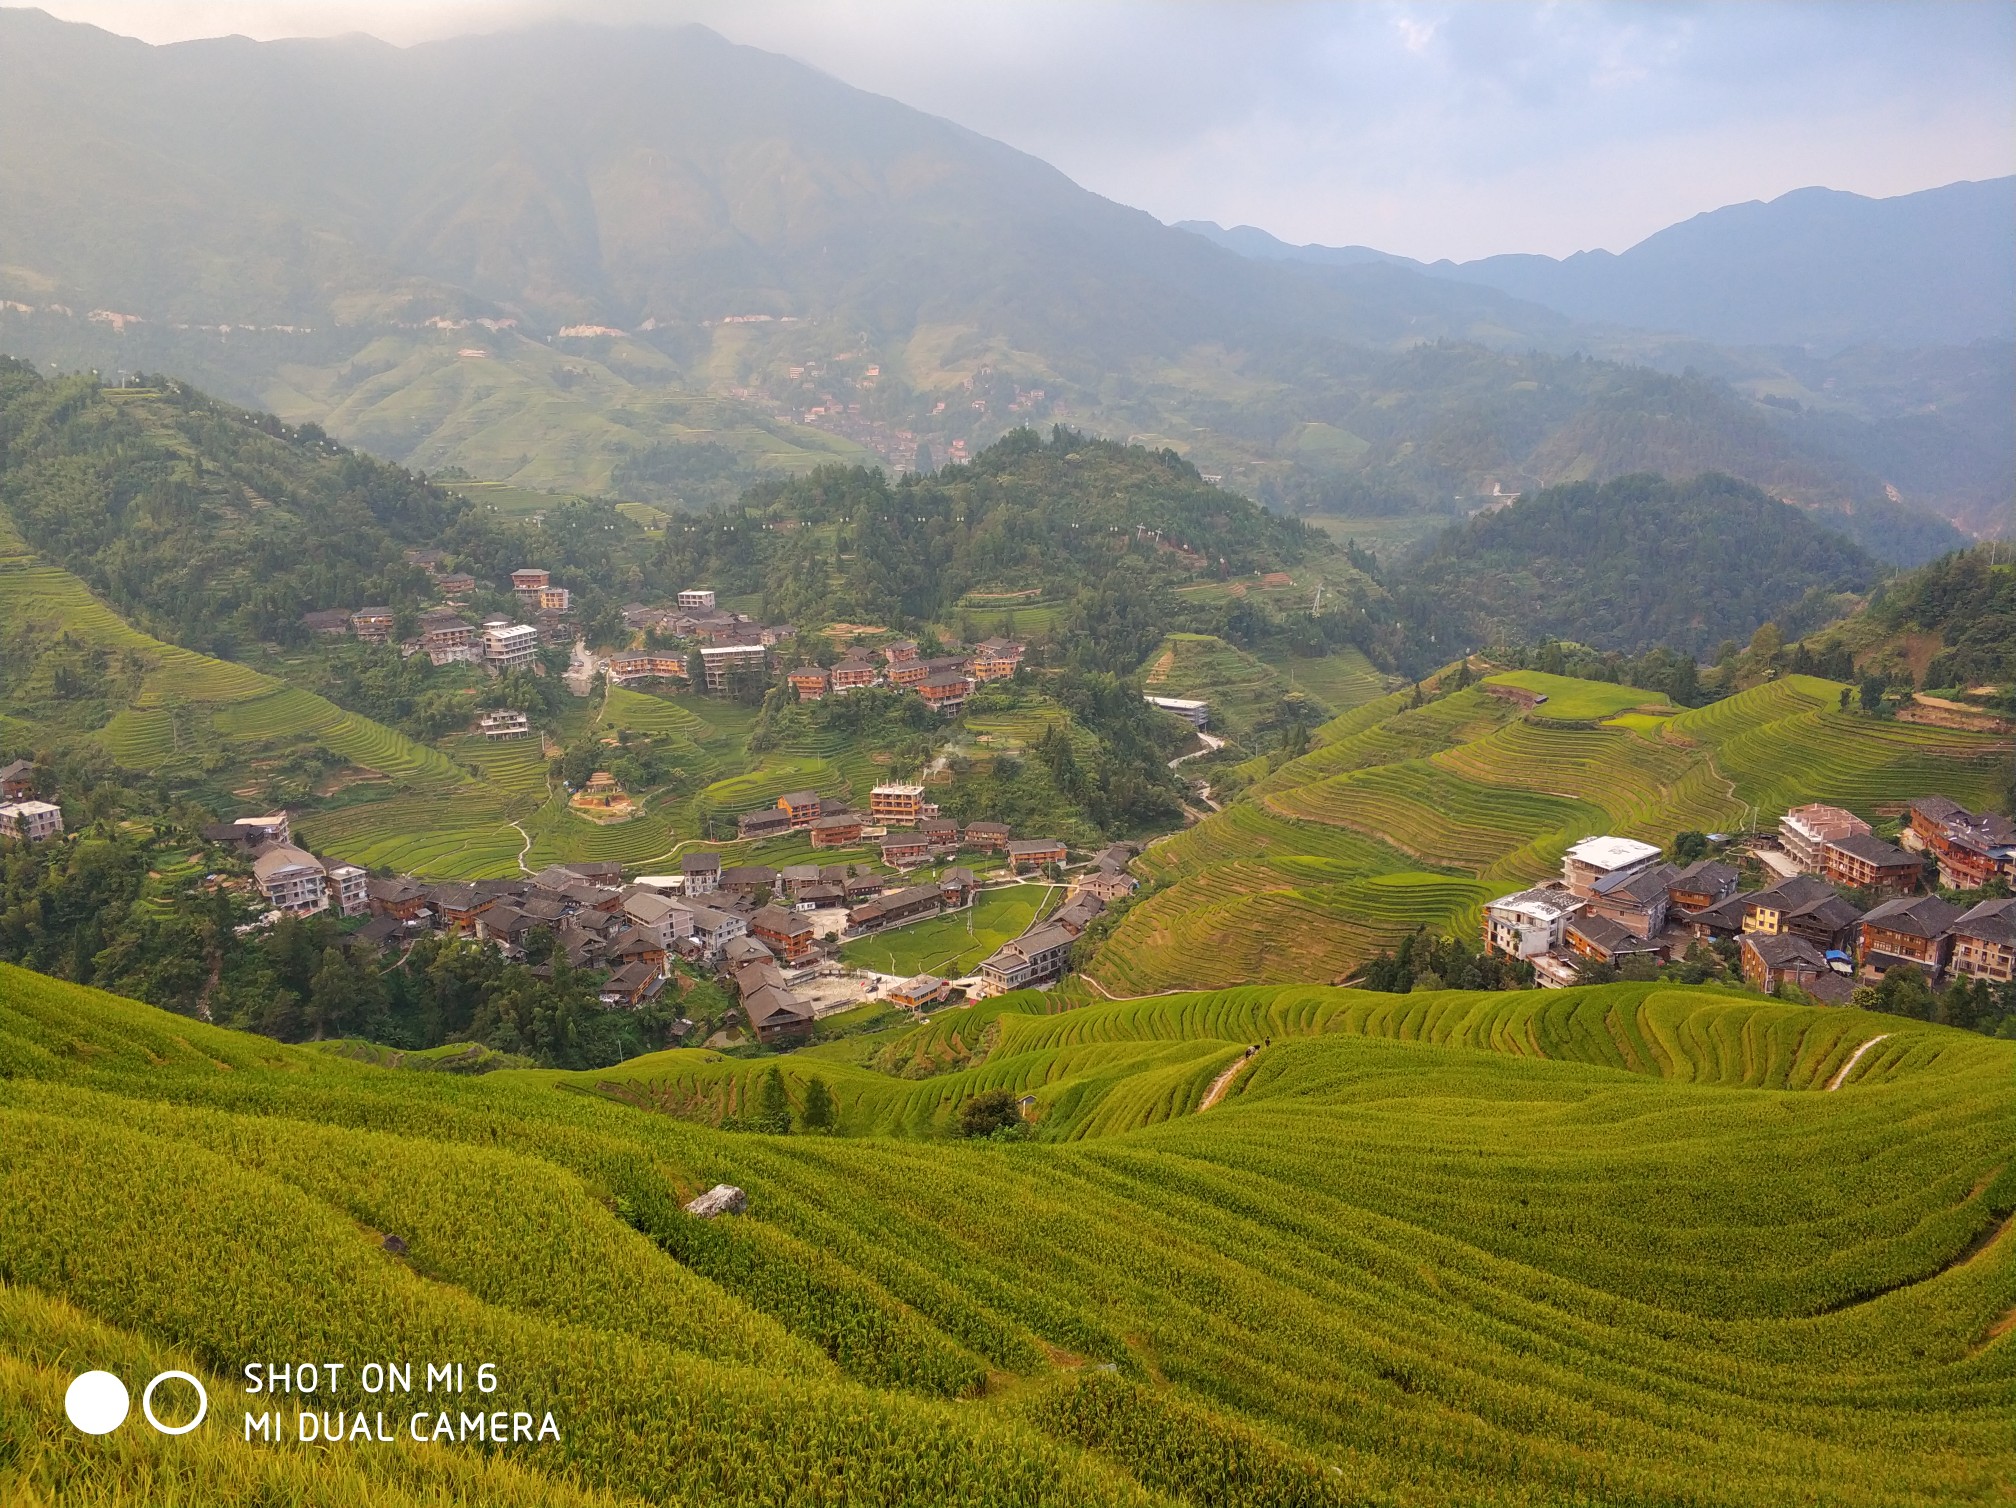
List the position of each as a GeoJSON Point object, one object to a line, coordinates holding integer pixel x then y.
{"type": "Point", "coordinates": [989, 1112]}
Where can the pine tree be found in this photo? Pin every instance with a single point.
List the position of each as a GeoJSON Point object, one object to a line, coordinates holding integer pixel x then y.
{"type": "Point", "coordinates": [773, 1109]}
{"type": "Point", "coordinates": [818, 1114]}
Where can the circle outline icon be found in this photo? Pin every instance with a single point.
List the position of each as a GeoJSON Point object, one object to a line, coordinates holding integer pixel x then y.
{"type": "Point", "coordinates": [202, 1403]}
{"type": "Point", "coordinates": [91, 1394]}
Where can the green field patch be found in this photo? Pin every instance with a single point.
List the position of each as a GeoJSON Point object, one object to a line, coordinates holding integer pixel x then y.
{"type": "Point", "coordinates": [1572, 700]}
{"type": "Point", "coordinates": [954, 944]}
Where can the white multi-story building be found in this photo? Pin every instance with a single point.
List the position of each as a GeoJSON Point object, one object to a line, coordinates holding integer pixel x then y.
{"type": "Point", "coordinates": [1193, 712]}
{"type": "Point", "coordinates": [714, 930]}
{"type": "Point", "coordinates": [292, 880]}
{"type": "Point", "coordinates": [1529, 923]}
{"type": "Point", "coordinates": [504, 723]}
{"type": "Point", "coordinates": [1595, 859]}
{"type": "Point", "coordinates": [349, 883]}
{"type": "Point", "coordinates": [699, 597]}
{"type": "Point", "coordinates": [33, 820]}
{"type": "Point", "coordinates": [510, 646]}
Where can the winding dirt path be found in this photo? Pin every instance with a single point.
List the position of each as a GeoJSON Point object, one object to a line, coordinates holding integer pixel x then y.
{"type": "Point", "coordinates": [1224, 1082]}
{"type": "Point", "coordinates": [1841, 1073]}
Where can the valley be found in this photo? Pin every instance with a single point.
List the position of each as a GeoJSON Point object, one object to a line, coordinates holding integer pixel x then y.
{"type": "Point", "coordinates": [714, 792]}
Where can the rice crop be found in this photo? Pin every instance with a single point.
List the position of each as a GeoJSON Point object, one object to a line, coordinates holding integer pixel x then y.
{"type": "Point", "coordinates": [1610, 1246]}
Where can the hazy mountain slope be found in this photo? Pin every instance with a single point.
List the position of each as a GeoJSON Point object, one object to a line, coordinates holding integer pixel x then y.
{"type": "Point", "coordinates": [556, 255]}
{"type": "Point", "coordinates": [1815, 267]}
{"type": "Point", "coordinates": [580, 174]}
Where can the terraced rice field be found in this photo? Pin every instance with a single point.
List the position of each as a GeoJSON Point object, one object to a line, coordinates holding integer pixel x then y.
{"type": "Point", "coordinates": [515, 766]}
{"type": "Point", "coordinates": [1275, 923]}
{"type": "Point", "coordinates": [624, 708]}
{"type": "Point", "coordinates": [1340, 680]}
{"type": "Point", "coordinates": [1797, 746]}
{"type": "Point", "coordinates": [773, 775]}
{"type": "Point", "coordinates": [1436, 814]}
{"type": "Point", "coordinates": [1609, 1247]}
{"type": "Point", "coordinates": [140, 738]}
{"type": "Point", "coordinates": [1470, 785]}
{"type": "Point", "coordinates": [559, 835]}
{"type": "Point", "coordinates": [1570, 700]}
{"type": "Point", "coordinates": [465, 837]}
{"type": "Point", "coordinates": [1243, 692]}
{"type": "Point", "coordinates": [31, 592]}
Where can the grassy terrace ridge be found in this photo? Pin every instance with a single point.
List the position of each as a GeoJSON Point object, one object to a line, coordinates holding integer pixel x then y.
{"type": "Point", "coordinates": [1405, 816]}
{"type": "Point", "coordinates": [1619, 1245]}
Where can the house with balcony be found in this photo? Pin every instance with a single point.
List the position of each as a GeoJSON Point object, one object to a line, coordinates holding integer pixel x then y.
{"type": "Point", "coordinates": [836, 829]}
{"type": "Point", "coordinates": [1529, 923]}
{"type": "Point", "coordinates": [1983, 942]}
{"type": "Point", "coordinates": [896, 805]}
{"type": "Point", "coordinates": [510, 646]}
{"type": "Point", "coordinates": [1773, 959]}
{"type": "Point", "coordinates": [723, 666]}
{"type": "Point", "coordinates": [1034, 958]}
{"type": "Point", "coordinates": [996, 659]}
{"type": "Point", "coordinates": [946, 691]}
{"type": "Point", "coordinates": [1865, 862]}
{"type": "Point", "coordinates": [1606, 858]}
{"type": "Point", "coordinates": [802, 807]}
{"type": "Point", "coordinates": [1700, 885]}
{"type": "Point", "coordinates": [373, 625]}
{"type": "Point", "coordinates": [1034, 853]}
{"type": "Point", "coordinates": [786, 932]}
{"type": "Point", "coordinates": [293, 880]}
{"type": "Point", "coordinates": [1914, 929]}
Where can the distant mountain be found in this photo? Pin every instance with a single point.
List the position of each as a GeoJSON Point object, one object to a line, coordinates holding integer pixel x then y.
{"type": "Point", "coordinates": [648, 262]}
{"type": "Point", "coordinates": [1815, 267]}
{"type": "Point", "coordinates": [1635, 563]}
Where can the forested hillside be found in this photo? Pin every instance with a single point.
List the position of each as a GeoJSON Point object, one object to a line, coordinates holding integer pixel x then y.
{"type": "Point", "coordinates": [1634, 564]}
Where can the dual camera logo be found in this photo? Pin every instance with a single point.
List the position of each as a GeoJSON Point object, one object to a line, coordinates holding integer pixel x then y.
{"type": "Point", "coordinates": [97, 1403]}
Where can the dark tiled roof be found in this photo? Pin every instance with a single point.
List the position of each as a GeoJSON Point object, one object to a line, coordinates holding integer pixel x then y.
{"type": "Point", "coordinates": [1924, 916]}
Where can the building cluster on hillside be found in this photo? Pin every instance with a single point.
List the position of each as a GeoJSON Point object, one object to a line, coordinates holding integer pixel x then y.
{"type": "Point", "coordinates": [22, 815]}
{"type": "Point", "coordinates": [293, 881]}
{"type": "Point", "coordinates": [446, 638]}
{"type": "Point", "coordinates": [731, 645]}
{"type": "Point", "coordinates": [943, 681]}
{"type": "Point", "coordinates": [1618, 899]}
{"type": "Point", "coordinates": [752, 923]}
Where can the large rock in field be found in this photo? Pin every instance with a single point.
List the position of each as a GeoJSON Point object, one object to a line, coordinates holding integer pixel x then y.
{"type": "Point", "coordinates": [722, 1199]}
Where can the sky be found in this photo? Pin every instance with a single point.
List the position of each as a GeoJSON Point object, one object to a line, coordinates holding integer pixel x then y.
{"type": "Point", "coordinates": [1452, 130]}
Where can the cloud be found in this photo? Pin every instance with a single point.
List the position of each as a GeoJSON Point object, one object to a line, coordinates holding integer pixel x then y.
{"type": "Point", "coordinates": [1433, 129]}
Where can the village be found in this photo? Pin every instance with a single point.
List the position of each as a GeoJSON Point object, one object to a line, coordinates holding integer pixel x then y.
{"type": "Point", "coordinates": [773, 935]}
{"type": "Point", "coordinates": [1620, 900]}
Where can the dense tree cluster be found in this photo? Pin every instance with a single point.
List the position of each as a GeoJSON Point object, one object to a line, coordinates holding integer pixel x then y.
{"type": "Point", "coordinates": [1968, 598]}
{"type": "Point", "coordinates": [1630, 564]}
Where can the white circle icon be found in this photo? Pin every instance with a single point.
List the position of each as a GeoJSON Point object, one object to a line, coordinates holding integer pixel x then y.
{"type": "Point", "coordinates": [147, 1403]}
{"type": "Point", "coordinates": [96, 1403]}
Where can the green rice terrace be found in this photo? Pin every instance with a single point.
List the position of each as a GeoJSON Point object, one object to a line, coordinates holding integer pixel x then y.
{"type": "Point", "coordinates": [1403, 816]}
{"type": "Point", "coordinates": [1623, 1245]}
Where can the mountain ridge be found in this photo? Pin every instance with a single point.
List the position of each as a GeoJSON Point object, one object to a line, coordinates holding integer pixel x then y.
{"type": "Point", "coordinates": [1950, 242]}
{"type": "Point", "coordinates": [583, 259]}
